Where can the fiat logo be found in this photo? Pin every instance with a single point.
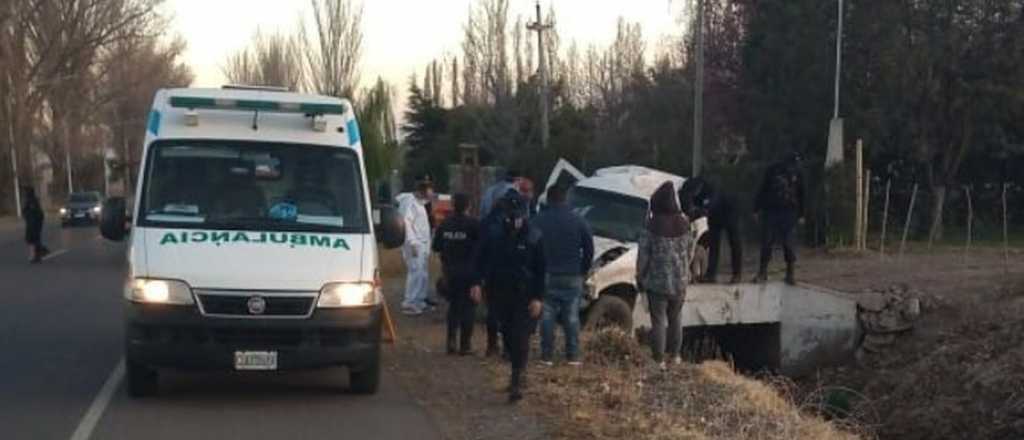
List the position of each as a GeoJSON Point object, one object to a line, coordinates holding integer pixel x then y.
{"type": "Point", "coordinates": [257, 305]}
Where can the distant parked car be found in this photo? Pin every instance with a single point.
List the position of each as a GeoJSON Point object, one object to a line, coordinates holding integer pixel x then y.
{"type": "Point", "coordinates": [81, 207]}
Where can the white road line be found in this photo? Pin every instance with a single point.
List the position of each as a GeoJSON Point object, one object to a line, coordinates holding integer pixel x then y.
{"type": "Point", "coordinates": [55, 254]}
{"type": "Point", "coordinates": [99, 404]}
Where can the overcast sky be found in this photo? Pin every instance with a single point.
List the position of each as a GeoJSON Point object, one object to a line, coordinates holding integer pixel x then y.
{"type": "Point", "coordinates": [400, 36]}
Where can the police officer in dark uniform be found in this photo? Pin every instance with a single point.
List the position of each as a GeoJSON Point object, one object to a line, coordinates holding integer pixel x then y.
{"type": "Point", "coordinates": [456, 239]}
{"type": "Point", "coordinates": [700, 198]}
{"type": "Point", "coordinates": [511, 265]}
{"type": "Point", "coordinates": [779, 206]}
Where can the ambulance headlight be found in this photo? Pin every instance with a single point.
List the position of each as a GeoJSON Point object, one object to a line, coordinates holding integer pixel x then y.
{"type": "Point", "coordinates": [144, 290]}
{"type": "Point", "coordinates": [337, 295]}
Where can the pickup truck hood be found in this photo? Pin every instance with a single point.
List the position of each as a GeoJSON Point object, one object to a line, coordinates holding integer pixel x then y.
{"type": "Point", "coordinates": [602, 245]}
{"type": "Point", "coordinates": [212, 259]}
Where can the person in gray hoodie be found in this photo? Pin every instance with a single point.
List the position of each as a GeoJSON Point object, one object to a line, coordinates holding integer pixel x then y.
{"type": "Point", "coordinates": [662, 268]}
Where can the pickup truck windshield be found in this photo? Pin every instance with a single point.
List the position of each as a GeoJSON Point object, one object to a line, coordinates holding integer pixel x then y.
{"type": "Point", "coordinates": [610, 215]}
{"type": "Point", "coordinates": [253, 186]}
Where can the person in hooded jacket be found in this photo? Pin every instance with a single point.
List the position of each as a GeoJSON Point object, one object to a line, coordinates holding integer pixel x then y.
{"type": "Point", "coordinates": [456, 239]}
{"type": "Point", "coordinates": [494, 193]}
{"type": "Point", "coordinates": [416, 249]}
{"type": "Point", "coordinates": [663, 271]}
{"type": "Point", "coordinates": [32, 213]}
{"type": "Point", "coordinates": [701, 199]}
{"type": "Point", "coordinates": [511, 266]}
{"type": "Point", "coordinates": [779, 206]}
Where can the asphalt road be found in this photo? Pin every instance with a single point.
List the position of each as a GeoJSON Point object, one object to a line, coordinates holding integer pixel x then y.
{"type": "Point", "coordinates": [61, 375]}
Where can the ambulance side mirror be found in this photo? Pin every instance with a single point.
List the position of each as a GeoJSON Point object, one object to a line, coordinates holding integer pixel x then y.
{"type": "Point", "coordinates": [113, 219]}
{"type": "Point", "coordinates": [391, 227]}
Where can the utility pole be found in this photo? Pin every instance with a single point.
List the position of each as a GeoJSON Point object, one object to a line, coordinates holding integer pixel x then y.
{"type": "Point", "coordinates": [698, 99]}
{"type": "Point", "coordinates": [834, 151]}
{"type": "Point", "coordinates": [539, 27]}
{"type": "Point", "coordinates": [67, 154]}
{"type": "Point", "coordinates": [14, 158]}
{"type": "Point", "coordinates": [839, 59]}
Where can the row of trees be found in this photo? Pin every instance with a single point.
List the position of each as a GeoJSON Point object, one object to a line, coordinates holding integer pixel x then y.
{"type": "Point", "coordinates": [323, 57]}
{"type": "Point", "coordinates": [933, 88]}
{"type": "Point", "coordinates": [77, 78]}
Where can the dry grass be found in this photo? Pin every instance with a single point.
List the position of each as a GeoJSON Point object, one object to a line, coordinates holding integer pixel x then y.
{"type": "Point", "coordinates": [619, 393]}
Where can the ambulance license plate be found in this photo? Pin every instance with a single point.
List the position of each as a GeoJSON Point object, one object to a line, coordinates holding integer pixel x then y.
{"type": "Point", "coordinates": [255, 360]}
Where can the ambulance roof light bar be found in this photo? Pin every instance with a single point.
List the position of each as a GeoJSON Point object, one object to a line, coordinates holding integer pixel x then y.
{"type": "Point", "coordinates": [255, 88]}
{"type": "Point", "coordinates": [308, 108]}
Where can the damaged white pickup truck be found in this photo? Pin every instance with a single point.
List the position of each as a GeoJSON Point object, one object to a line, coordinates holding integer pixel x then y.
{"type": "Point", "coordinates": [783, 328]}
{"type": "Point", "coordinates": [614, 201]}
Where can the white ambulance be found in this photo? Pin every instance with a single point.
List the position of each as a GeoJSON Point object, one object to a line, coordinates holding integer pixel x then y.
{"type": "Point", "coordinates": [251, 243]}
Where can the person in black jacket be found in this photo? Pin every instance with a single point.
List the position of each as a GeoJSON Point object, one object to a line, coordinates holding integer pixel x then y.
{"type": "Point", "coordinates": [456, 239]}
{"type": "Point", "coordinates": [779, 206]}
{"type": "Point", "coordinates": [701, 199]}
{"type": "Point", "coordinates": [511, 265]}
{"type": "Point", "coordinates": [32, 212]}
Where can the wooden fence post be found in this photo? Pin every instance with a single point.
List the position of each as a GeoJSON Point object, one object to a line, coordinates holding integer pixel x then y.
{"type": "Point", "coordinates": [906, 225]}
{"type": "Point", "coordinates": [865, 210]}
{"type": "Point", "coordinates": [970, 222]}
{"type": "Point", "coordinates": [1006, 234]}
{"type": "Point", "coordinates": [858, 223]}
{"type": "Point", "coordinates": [885, 218]}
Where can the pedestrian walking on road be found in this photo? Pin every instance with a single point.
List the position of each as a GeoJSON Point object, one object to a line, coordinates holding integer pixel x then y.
{"type": "Point", "coordinates": [32, 212]}
{"type": "Point", "coordinates": [663, 271]}
{"type": "Point", "coordinates": [701, 199]}
{"type": "Point", "coordinates": [568, 253]}
{"type": "Point", "coordinates": [511, 266]}
{"type": "Point", "coordinates": [456, 239]}
{"type": "Point", "coordinates": [416, 250]}
{"type": "Point", "coordinates": [779, 207]}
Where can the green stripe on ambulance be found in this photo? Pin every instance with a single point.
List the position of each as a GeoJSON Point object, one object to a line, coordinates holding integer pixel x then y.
{"type": "Point", "coordinates": [219, 238]}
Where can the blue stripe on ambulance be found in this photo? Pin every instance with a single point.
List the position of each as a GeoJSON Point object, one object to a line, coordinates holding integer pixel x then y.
{"type": "Point", "coordinates": [154, 122]}
{"type": "Point", "coordinates": [352, 128]}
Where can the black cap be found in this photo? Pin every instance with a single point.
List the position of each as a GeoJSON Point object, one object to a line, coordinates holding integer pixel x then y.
{"type": "Point", "coordinates": [514, 204]}
{"type": "Point", "coordinates": [460, 202]}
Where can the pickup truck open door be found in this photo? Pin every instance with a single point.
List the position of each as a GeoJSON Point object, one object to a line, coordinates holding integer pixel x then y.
{"type": "Point", "coordinates": [564, 173]}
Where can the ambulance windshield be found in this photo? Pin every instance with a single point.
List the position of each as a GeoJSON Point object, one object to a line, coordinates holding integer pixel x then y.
{"type": "Point", "coordinates": [253, 186]}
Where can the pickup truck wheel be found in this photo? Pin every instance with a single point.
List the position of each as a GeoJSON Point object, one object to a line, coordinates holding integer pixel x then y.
{"type": "Point", "coordinates": [366, 379]}
{"type": "Point", "coordinates": [609, 310]}
{"type": "Point", "coordinates": [142, 381]}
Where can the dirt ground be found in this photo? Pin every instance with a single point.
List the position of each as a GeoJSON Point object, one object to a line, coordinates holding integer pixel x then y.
{"type": "Point", "coordinates": [461, 393]}
{"type": "Point", "coordinates": [960, 372]}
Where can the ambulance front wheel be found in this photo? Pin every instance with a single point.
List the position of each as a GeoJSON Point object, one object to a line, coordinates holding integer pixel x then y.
{"type": "Point", "coordinates": [142, 381]}
{"type": "Point", "coordinates": [365, 378]}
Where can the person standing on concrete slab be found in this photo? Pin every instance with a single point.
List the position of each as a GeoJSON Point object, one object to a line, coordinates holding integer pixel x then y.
{"type": "Point", "coordinates": [456, 239]}
{"type": "Point", "coordinates": [779, 206]}
{"type": "Point", "coordinates": [568, 253]}
{"type": "Point", "coordinates": [32, 212]}
{"type": "Point", "coordinates": [701, 199]}
{"type": "Point", "coordinates": [663, 271]}
{"type": "Point", "coordinates": [416, 250]}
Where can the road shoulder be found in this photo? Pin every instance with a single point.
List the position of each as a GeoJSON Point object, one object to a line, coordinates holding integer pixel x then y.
{"type": "Point", "coordinates": [460, 393]}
